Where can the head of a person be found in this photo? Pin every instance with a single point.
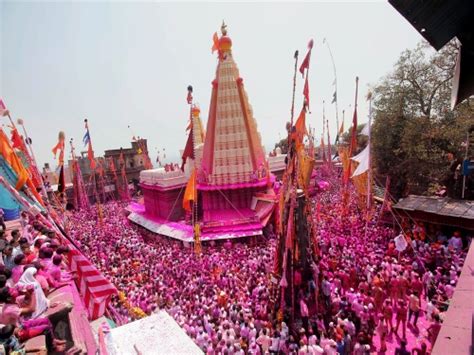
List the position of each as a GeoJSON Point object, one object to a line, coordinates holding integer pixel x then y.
{"type": "Point", "coordinates": [57, 260]}
{"type": "Point", "coordinates": [45, 253]}
{"type": "Point", "coordinates": [3, 281]}
{"type": "Point", "coordinates": [15, 234]}
{"type": "Point", "coordinates": [25, 249]}
{"type": "Point", "coordinates": [8, 250]}
{"type": "Point", "coordinates": [37, 265]}
{"type": "Point", "coordinates": [6, 332]}
{"type": "Point", "coordinates": [38, 243]}
{"type": "Point", "coordinates": [5, 295]}
{"type": "Point", "coordinates": [62, 249]}
{"type": "Point", "coordinates": [19, 259]}
{"type": "Point", "coordinates": [7, 273]}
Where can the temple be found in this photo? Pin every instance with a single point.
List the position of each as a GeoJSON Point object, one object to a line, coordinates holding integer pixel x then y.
{"type": "Point", "coordinates": [232, 179]}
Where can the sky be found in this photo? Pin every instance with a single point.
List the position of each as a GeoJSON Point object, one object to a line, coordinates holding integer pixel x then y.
{"type": "Point", "coordinates": [122, 64]}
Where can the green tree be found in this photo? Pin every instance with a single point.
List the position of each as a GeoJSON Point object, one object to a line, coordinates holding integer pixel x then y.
{"type": "Point", "coordinates": [414, 130]}
{"type": "Point", "coordinates": [283, 145]}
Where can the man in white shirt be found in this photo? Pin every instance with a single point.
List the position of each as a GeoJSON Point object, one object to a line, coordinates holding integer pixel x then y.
{"type": "Point", "coordinates": [264, 341]}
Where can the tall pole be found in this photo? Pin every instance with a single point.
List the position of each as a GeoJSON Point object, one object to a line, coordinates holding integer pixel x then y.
{"type": "Point", "coordinates": [294, 91]}
{"type": "Point", "coordinates": [93, 170]}
{"type": "Point", "coordinates": [369, 172]}
{"type": "Point", "coordinates": [466, 156]}
{"type": "Point", "coordinates": [329, 145]}
{"type": "Point", "coordinates": [29, 144]}
{"type": "Point", "coordinates": [80, 195]}
{"type": "Point", "coordinates": [335, 81]}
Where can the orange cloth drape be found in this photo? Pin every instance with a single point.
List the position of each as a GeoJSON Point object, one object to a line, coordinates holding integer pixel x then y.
{"type": "Point", "coordinates": [190, 192]}
{"type": "Point", "coordinates": [14, 161]}
{"type": "Point", "coordinates": [300, 130]}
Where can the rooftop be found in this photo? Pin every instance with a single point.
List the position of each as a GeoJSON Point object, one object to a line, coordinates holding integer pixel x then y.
{"type": "Point", "coordinates": [458, 213]}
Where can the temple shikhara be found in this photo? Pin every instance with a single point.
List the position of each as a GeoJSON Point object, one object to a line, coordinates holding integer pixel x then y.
{"type": "Point", "coordinates": [225, 166]}
{"type": "Point", "coordinates": [354, 240]}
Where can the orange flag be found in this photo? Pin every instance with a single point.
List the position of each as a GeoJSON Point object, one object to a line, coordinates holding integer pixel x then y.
{"type": "Point", "coordinates": [300, 130]}
{"type": "Point", "coordinates": [190, 192]}
{"type": "Point", "coordinates": [17, 140]}
{"type": "Point", "coordinates": [215, 42]}
{"type": "Point", "coordinates": [59, 146]}
{"type": "Point", "coordinates": [12, 159]}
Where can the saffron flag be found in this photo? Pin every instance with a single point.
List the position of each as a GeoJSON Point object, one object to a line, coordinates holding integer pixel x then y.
{"type": "Point", "coordinates": [190, 192]}
{"type": "Point", "coordinates": [289, 226]}
{"type": "Point", "coordinates": [17, 140]}
{"type": "Point", "coordinates": [300, 130]}
{"type": "Point", "coordinates": [305, 165]}
{"type": "Point", "coordinates": [12, 159]}
{"type": "Point", "coordinates": [305, 64]}
{"type": "Point", "coordinates": [188, 149]}
{"type": "Point", "coordinates": [215, 42]}
{"type": "Point", "coordinates": [3, 109]}
{"type": "Point", "coordinates": [59, 146]}
{"type": "Point", "coordinates": [341, 130]}
{"type": "Point", "coordinates": [306, 92]}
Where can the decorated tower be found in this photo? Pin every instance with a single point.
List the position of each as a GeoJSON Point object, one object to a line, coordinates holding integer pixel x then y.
{"type": "Point", "coordinates": [233, 168]}
{"type": "Point", "coordinates": [224, 181]}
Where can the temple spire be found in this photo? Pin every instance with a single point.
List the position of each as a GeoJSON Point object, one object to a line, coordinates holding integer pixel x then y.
{"type": "Point", "coordinates": [233, 151]}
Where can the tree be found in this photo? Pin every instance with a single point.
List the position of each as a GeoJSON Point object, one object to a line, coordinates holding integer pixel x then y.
{"type": "Point", "coordinates": [414, 130]}
{"type": "Point", "coordinates": [283, 145]}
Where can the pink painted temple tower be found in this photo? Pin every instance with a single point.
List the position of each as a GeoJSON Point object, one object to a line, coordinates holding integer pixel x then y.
{"type": "Point", "coordinates": [235, 197]}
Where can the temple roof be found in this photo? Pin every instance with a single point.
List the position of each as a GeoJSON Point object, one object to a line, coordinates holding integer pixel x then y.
{"type": "Point", "coordinates": [233, 152]}
{"type": "Point", "coordinates": [442, 210]}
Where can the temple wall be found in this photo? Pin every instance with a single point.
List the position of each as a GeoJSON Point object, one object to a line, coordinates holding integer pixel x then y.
{"type": "Point", "coordinates": [238, 198]}
{"type": "Point", "coordinates": [166, 204]}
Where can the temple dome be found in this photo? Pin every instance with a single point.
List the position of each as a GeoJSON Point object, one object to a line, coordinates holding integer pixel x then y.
{"type": "Point", "coordinates": [225, 44]}
{"type": "Point", "coordinates": [195, 111]}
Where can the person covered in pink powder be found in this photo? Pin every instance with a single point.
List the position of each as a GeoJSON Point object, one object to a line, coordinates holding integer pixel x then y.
{"type": "Point", "coordinates": [401, 317]}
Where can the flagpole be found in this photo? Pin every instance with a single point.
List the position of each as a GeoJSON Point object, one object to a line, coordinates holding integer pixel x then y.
{"type": "Point", "coordinates": [335, 81]}
{"type": "Point", "coordinates": [294, 92]}
{"type": "Point", "coordinates": [93, 170]}
{"type": "Point", "coordinates": [329, 146]}
{"type": "Point", "coordinates": [28, 142]}
{"type": "Point", "coordinates": [354, 121]}
{"type": "Point", "coordinates": [369, 175]}
{"type": "Point", "coordinates": [324, 127]}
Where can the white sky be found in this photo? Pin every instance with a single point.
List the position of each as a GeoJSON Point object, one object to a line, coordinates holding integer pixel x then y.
{"type": "Point", "coordinates": [129, 63]}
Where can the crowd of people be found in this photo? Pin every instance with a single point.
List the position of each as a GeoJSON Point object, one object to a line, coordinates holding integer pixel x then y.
{"type": "Point", "coordinates": [31, 267]}
{"type": "Point", "coordinates": [370, 297]}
